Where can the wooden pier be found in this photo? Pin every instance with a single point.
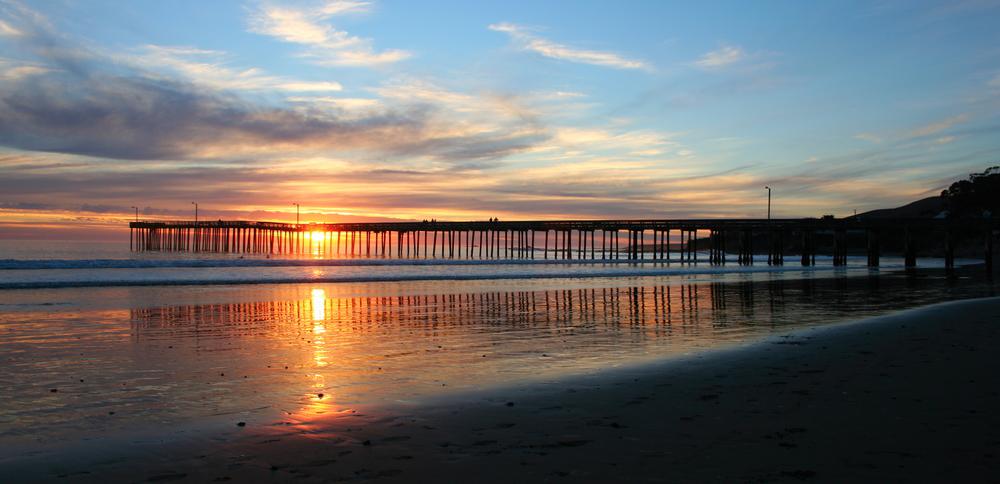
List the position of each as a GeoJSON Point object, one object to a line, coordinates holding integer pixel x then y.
{"type": "Point", "coordinates": [664, 240]}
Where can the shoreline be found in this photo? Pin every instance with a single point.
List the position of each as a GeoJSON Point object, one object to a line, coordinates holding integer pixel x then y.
{"type": "Point", "coordinates": [905, 396]}
{"type": "Point", "coordinates": [666, 271]}
{"type": "Point", "coordinates": [349, 272]}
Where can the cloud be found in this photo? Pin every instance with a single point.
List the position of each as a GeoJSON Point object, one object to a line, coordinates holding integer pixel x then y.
{"type": "Point", "coordinates": [345, 104]}
{"type": "Point", "coordinates": [11, 70]}
{"type": "Point", "coordinates": [417, 90]}
{"type": "Point", "coordinates": [587, 186]}
{"type": "Point", "coordinates": [208, 67]}
{"type": "Point", "coordinates": [870, 137]}
{"type": "Point", "coordinates": [595, 140]}
{"type": "Point", "coordinates": [88, 103]}
{"type": "Point", "coordinates": [325, 45]}
{"type": "Point", "coordinates": [26, 206]}
{"type": "Point", "coordinates": [300, 25]}
{"type": "Point", "coordinates": [939, 126]}
{"type": "Point", "coordinates": [153, 119]}
{"type": "Point", "coordinates": [141, 118]}
{"type": "Point", "coordinates": [721, 57]}
{"type": "Point", "coordinates": [13, 14]}
{"type": "Point", "coordinates": [904, 137]}
{"type": "Point", "coordinates": [7, 29]}
{"type": "Point", "coordinates": [539, 193]}
{"type": "Point", "coordinates": [530, 42]}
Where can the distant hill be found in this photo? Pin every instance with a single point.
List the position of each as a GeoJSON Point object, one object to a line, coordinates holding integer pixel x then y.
{"type": "Point", "coordinates": [929, 207]}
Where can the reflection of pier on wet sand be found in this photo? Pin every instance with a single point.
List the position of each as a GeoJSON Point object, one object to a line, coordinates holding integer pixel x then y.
{"type": "Point", "coordinates": [651, 305]}
{"type": "Point", "coordinates": [671, 307]}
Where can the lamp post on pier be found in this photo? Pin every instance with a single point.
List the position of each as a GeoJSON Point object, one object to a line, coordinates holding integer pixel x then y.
{"type": "Point", "coordinates": [296, 214]}
{"type": "Point", "coordinates": [136, 214]}
{"type": "Point", "coordinates": [771, 252]}
{"type": "Point", "coordinates": [768, 203]}
{"type": "Point", "coordinates": [195, 212]}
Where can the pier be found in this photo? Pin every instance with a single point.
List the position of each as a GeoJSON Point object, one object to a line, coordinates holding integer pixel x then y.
{"type": "Point", "coordinates": [663, 240]}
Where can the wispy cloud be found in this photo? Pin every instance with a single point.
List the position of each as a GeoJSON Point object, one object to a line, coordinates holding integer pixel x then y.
{"type": "Point", "coordinates": [422, 91]}
{"type": "Point", "coordinates": [348, 103]}
{"type": "Point", "coordinates": [533, 43]}
{"type": "Point", "coordinates": [928, 133]}
{"type": "Point", "coordinates": [8, 30]}
{"type": "Point", "coordinates": [11, 70]}
{"type": "Point", "coordinates": [937, 127]}
{"type": "Point", "coordinates": [721, 57]}
{"type": "Point", "coordinates": [16, 19]}
{"type": "Point", "coordinates": [303, 25]}
{"type": "Point", "coordinates": [325, 45]}
{"type": "Point", "coordinates": [870, 137]}
{"type": "Point", "coordinates": [209, 68]}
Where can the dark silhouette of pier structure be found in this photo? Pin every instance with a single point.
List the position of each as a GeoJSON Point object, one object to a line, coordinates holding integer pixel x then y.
{"type": "Point", "coordinates": [647, 240]}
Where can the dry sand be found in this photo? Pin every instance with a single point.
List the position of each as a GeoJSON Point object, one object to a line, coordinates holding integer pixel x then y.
{"type": "Point", "coordinates": [906, 397]}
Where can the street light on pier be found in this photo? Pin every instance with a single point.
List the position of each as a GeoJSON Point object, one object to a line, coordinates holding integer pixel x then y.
{"type": "Point", "coordinates": [768, 203]}
{"type": "Point", "coordinates": [296, 214]}
{"type": "Point", "coordinates": [136, 214]}
{"type": "Point", "coordinates": [195, 212]}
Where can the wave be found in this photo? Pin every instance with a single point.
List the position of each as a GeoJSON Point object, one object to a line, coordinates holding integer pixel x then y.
{"type": "Point", "coordinates": [49, 264]}
{"type": "Point", "coordinates": [40, 264]}
{"type": "Point", "coordinates": [429, 276]}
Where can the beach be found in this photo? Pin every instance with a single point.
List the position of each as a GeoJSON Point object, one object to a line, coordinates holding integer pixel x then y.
{"type": "Point", "coordinates": [902, 397]}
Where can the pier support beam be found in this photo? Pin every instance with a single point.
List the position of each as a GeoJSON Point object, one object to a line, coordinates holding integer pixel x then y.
{"type": "Point", "coordinates": [949, 250]}
{"type": "Point", "coordinates": [746, 247]}
{"type": "Point", "coordinates": [874, 251]}
{"type": "Point", "coordinates": [807, 247]}
{"type": "Point", "coordinates": [839, 248]}
{"type": "Point", "coordinates": [775, 249]}
{"type": "Point", "coordinates": [909, 249]}
{"type": "Point", "coordinates": [988, 255]}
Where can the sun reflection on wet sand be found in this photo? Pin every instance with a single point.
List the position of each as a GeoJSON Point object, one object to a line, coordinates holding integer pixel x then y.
{"type": "Point", "coordinates": [319, 401]}
{"type": "Point", "coordinates": [319, 307]}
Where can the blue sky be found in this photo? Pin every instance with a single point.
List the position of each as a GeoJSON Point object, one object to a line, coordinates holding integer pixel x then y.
{"type": "Point", "coordinates": [457, 110]}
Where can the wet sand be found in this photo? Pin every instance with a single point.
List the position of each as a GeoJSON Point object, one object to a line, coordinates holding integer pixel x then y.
{"type": "Point", "coordinates": [906, 397]}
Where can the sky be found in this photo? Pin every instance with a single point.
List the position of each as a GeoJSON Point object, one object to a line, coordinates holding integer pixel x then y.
{"type": "Point", "coordinates": [407, 110]}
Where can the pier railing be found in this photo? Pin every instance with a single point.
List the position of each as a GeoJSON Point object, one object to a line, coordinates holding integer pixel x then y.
{"type": "Point", "coordinates": [680, 239]}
